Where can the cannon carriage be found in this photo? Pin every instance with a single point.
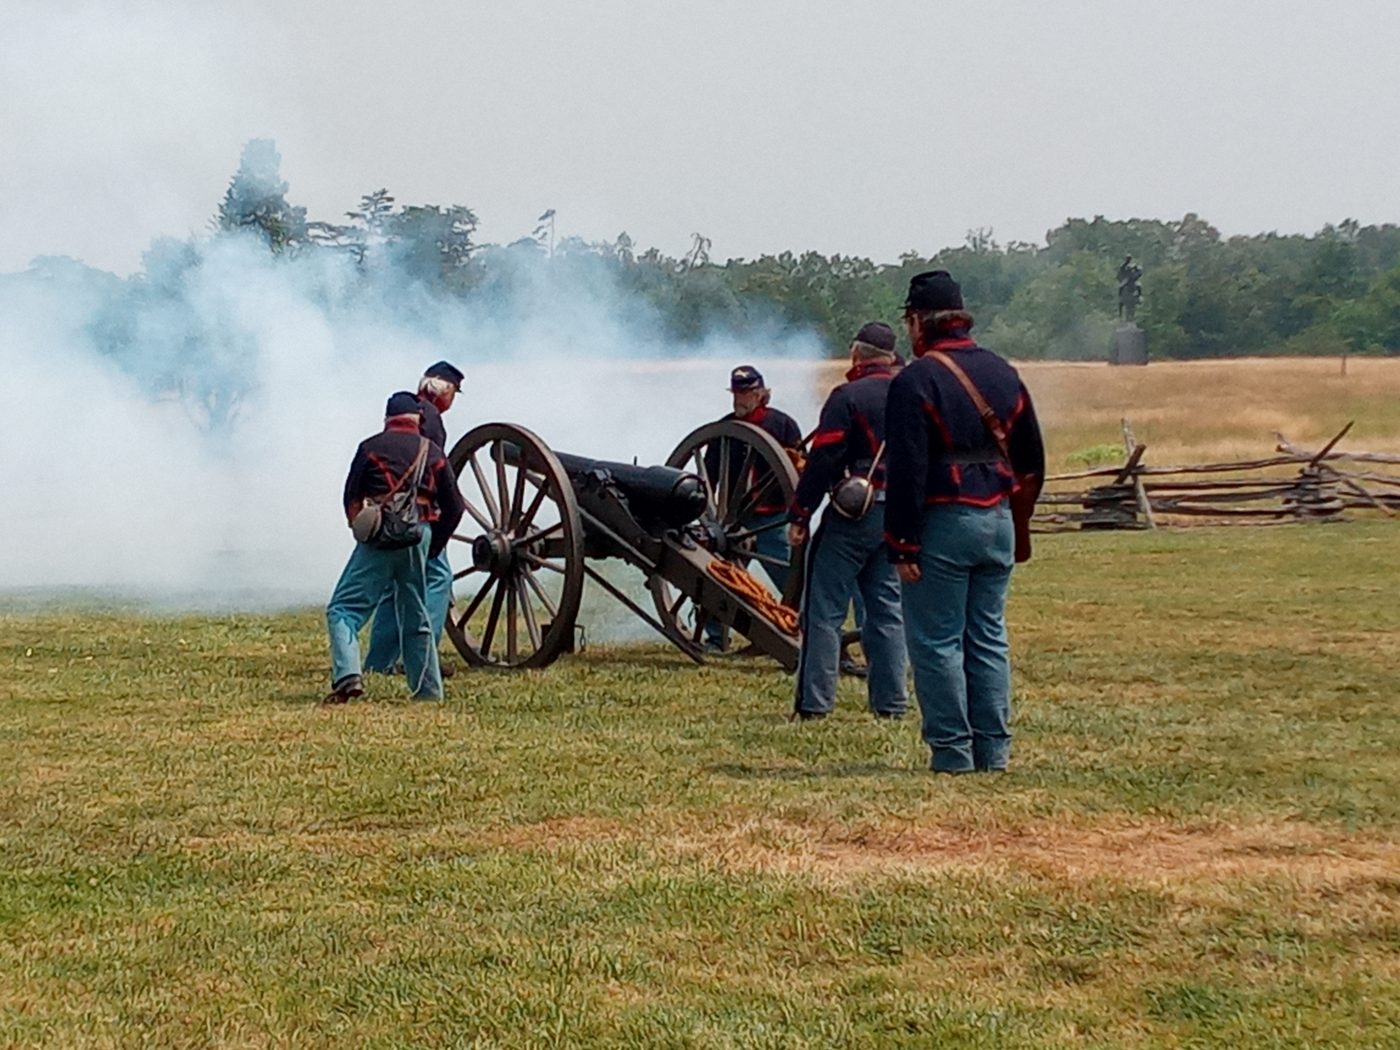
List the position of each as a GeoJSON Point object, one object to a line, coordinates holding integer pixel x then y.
{"type": "Point", "coordinates": [538, 521]}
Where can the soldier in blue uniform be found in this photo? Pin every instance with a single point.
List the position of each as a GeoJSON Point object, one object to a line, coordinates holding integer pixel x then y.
{"type": "Point", "coordinates": [437, 389]}
{"type": "Point", "coordinates": [948, 522]}
{"type": "Point", "coordinates": [765, 518]}
{"type": "Point", "coordinates": [847, 555]}
{"type": "Point", "coordinates": [384, 464]}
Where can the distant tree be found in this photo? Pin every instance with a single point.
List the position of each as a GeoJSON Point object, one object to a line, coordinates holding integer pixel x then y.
{"type": "Point", "coordinates": [429, 242]}
{"type": "Point", "coordinates": [544, 230]}
{"type": "Point", "coordinates": [699, 254]}
{"type": "Point", "coordinates": [374, 211]}
{"type": "Point", "coordinates": [256, 199]}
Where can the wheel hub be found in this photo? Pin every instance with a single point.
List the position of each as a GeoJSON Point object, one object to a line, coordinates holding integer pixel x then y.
{"type": "Point", "coordinates": [493, 552]}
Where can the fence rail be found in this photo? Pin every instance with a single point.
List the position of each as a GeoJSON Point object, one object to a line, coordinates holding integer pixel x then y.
{"type": "Point", "coordinates": [1135, 495]}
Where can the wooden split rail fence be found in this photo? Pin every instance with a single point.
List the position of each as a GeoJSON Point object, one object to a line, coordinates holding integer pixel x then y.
{"type": "Point", "coordinates": [1295, 484]}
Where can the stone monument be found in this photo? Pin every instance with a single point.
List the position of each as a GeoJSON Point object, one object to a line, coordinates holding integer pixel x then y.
{"type": "Point", "coordinates": [1129, 341]}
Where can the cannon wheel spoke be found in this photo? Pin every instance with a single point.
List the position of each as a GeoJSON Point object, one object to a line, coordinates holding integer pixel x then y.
{"type": "Point", "coordinates": [527, 517]}
{"type": "Point", "coordinates": [492, 619]}
{"type": "Point", "coordinates": [517, 499]}
{"type": "Point", "coordinates": [532, 627]}
{"type": "Point", "coordinates": [747, 534]}
{"type": "Point", "coordinates": [496, 521]}
{"type": "Point", "coordinates": [480, 518]}
{"type": "Point", "coordinates": [541, 595]}
{"type": "Point", "coordinates": [704, 474]}
{"type": "Point", "coordinates": [476, 602]}
{"type": "Point", "coordinates": [539, 534]}
{"type": "Point", "coordinates": [498, 455]}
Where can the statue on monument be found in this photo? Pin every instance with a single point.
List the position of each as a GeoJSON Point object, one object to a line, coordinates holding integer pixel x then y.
{"type": "Point", "coordinates": [1129, 293]}
{"type": "Point", "coordinates": [1129, 345]}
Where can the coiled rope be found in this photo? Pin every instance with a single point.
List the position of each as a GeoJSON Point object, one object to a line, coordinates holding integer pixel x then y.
{"type": "Point", "coordinates": [738, 580]}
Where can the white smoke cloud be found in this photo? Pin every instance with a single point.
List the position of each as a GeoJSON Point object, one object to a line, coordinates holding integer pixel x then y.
{"type": "Point", "coordinates": [119, 488]}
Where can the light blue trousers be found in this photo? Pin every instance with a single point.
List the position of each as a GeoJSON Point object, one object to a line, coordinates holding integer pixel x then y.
{"type": "Point", "coordinates": [955, 623]}
{"type": "Point", "coordinates": [847, 558]}
{"type": "Point", "coordinates": [383, 654]}
{"type": "Point", "coordinates": [367, 575]}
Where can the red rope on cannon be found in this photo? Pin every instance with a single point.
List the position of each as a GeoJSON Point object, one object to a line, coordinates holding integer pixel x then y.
{"type": "Point", "coordinates": [736, 579]}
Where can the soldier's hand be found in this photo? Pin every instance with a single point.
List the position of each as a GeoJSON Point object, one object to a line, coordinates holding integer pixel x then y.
{"type": "Point", "coordinates": [909, 571]}
{"type": "Point", "coordinates": [797, 534]}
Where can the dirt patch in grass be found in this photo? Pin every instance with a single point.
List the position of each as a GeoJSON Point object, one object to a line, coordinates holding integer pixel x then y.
{"type": "Point", "coordinates": [1138, 852]}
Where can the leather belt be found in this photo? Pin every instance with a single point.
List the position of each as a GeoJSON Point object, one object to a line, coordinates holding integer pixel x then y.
{"type": "Point", "coordinates": [972, 457]}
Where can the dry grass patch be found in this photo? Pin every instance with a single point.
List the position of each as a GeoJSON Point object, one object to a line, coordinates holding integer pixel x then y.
{"type": "Point", "coordinates": [1205, 411]}
{"type": "Point", "coordinates": [1112, 850]}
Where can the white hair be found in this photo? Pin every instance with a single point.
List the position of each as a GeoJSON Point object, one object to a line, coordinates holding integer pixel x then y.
{"type": "Point", "coordinates": [435, 386]}
{"type": "Point", "coordinates": [869, 351]}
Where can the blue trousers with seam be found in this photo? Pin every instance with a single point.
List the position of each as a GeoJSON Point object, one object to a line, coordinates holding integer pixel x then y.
{"type": "Point", "coordinates": [955, 623]}
{"type": "Point", "coordinates": [366, 577]}
{"type": "Point", "coordinates": [384, 651]}
{"type": "Point", "coordinates": [846, 558]}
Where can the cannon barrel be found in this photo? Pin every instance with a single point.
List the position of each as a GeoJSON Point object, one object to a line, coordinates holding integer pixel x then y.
{"type": "Point", "coordinates": [662, 496]}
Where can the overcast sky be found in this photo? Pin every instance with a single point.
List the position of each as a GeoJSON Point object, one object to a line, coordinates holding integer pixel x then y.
{"type": "Point", "coordinates": [857, 126]}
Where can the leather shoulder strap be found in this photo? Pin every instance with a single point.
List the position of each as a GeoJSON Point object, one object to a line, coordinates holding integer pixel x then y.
{"type": "Point", "coordinates": [414, 471]}
{"type": "Point", "coordinates": [990, 419]}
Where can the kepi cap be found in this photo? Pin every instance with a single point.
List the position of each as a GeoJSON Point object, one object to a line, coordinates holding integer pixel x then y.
{"type": "Point", "coordinates": [745, 377]}
{"type": "Point", "coordinates": [877, 334]}
{"type": "Point", "coordinates": [933, 290]}
{"type": "Point", "coordinates": [403, 404]}
{"type": "Point", "coordinates": [446, 370]}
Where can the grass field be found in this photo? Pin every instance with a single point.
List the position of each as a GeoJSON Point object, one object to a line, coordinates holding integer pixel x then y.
{"type": "Point", "coordinates": [1198, 845]}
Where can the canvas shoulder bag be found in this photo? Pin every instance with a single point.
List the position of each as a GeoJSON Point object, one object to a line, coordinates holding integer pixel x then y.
{"type": "Point", "coordinates": [391, 521]}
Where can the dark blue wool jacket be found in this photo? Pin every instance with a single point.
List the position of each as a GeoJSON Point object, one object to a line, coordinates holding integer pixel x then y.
{"type": "Point", "coordinates": [384, 458]}
{"type": "Point", "coordinates": [849, 434]}
{"type": "Point", "coordinates": [939, 449]}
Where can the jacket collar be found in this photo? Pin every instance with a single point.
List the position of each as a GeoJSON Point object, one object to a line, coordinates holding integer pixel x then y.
{"type": "Point", "coordinates": [870, 368]}
{"type": "Point", "coordinates": [954, 339]}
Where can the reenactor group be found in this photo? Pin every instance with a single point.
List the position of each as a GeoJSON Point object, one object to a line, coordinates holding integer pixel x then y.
{"type": "Point", "coordinates": [927, 471]}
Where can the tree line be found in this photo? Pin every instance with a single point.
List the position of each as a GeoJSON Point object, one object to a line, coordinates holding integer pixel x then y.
{"type": "Point", "coordinates": [1205, 295]}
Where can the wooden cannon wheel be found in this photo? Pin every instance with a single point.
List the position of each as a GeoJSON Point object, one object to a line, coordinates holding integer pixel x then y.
{"type": "Point", "coordinates": [517, 556]}
{"type": "Point", "coordinates": [728, 456]}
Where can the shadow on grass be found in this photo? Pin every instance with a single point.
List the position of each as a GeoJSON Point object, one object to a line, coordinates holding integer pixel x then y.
{"type": "Point", "coordinates": [845, 770]}
{"type": "Point", "coordinates": [676, 661]}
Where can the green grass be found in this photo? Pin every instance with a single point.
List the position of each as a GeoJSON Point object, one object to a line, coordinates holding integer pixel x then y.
{"type": "Point", "coordinates": [1197, 845]}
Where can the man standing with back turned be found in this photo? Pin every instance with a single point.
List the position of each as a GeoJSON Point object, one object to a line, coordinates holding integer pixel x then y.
{"type": "Point", "coordinates": [962, 437]}
{"type": "Point", "coordinates": [437, 390]}
{"type": "Point", "coordinates": [396, 460]}
{"type": "Point", "coordinates": [847, 555]}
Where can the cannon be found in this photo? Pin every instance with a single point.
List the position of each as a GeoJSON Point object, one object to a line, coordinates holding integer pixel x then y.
{"type": "Point", "coordinates": [538, 520]}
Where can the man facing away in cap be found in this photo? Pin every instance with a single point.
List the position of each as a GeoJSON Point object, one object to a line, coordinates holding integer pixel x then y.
{"type": "Point", "coordinates": [948, 522]}
{"type": "Point", "coordinates": [383, 464]}
{"type": "Point", "coordinates": [847, 555]}
{"type": "Point", "coordinates": [437, 389]}
{"type": "Point", "coordinates": [752, 405]}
